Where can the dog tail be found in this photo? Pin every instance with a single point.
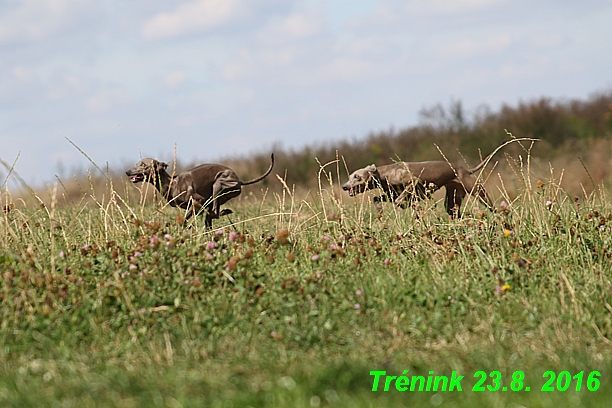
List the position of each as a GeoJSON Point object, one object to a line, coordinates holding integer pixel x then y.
{"type": "Point", "coordinates": [488, 158]}
{"type": "Point", "coordinates": [263, 176]}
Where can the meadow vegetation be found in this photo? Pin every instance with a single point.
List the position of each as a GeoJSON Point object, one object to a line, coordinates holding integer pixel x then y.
{"type": "Point", "coordinates": [573, 134]}
{"type": "Point", "coordinates": [112, 300]}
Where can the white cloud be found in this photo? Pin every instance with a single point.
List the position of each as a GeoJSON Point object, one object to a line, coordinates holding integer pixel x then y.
{"type": "Point", "coordinates": [240, 67]}
{"type": "Point", "coordinates": [62, 155]}
{"type": "Point", "coordinates": [390, 12]}
{"type": "Point", "coordinates": [32, 20]}
{"type": "Point", "coordinates": [22, 74]}
{"type": "Point", "coordinates": [473, 78]}
{"type": "Point", "coordinates": [353, 70]}
{"type": "Point", "coordinates": [65, 85]}
{"type": "Point", "coordinates": [308, 66]}
{"type": "Point", "coordinates": [291, 28]}
{"type": "Point", "coordinates": [187, 121]}
{"type": "Point", "coordinates": [234, 70]}
{"type": "Point", "coordinates": [365, 45]}
{"type": "Point", "coordinates": [247, 64]}
{"type": "Point", "coordinates": [278, 57]}
{"type": "Point", "coordinates": [547, 40]}
{"type": "Point", "coordinates": [175, 78]}
{"type": "Point", "coordinates": [471, 47]}
{"type": "Point", "coordinates": [449, 6]}
{"type": "Point", "coordinates": [194, 16]}
{"type": "Point", "coordinates": [346, 69]}
{"type": "Point", "coordinates": [530, 69]}
{"type": "Point", "coordinates": [107, 99]}
{"type": "Point", "coordinates": [247, 96]}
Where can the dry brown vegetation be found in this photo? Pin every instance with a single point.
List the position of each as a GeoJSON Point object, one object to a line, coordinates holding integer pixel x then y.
{"type": "Point", "coordinates": [575, 143]}
{"type": "Point", "coordinates": [575, 149]}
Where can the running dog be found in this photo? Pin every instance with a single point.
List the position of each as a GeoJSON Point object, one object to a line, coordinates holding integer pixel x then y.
{"type": "Point", "coordinates": [207, 186]}
{"type": "Point", "coordinates": [404, 182]}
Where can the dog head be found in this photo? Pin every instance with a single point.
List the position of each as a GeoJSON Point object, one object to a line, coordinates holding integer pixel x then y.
{"type": "Point", "coordinates": [146, 170]}
{"type": "Point", "coordinates": [361, 179]}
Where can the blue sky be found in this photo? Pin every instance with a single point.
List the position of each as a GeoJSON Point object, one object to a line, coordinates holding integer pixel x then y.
{"type": "Point", "coordinates": [222, 78]}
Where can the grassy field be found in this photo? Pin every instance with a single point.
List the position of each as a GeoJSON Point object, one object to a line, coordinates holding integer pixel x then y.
{"type": "Point", "coordinates": [293, 303]}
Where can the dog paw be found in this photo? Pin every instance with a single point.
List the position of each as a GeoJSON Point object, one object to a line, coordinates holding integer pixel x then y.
{"type": "Point", "coordinates": [225, 211]}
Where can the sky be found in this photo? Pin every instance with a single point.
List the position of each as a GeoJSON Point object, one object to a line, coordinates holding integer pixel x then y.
{"type": "Point", "coordinates": [215, 79]}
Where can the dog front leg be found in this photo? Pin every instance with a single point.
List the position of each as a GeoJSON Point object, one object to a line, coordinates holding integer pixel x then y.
{"type": "Point", "coordinates": [377, 202]}
{"type": "Point", "coordinates": [404, 197]}
{"type": "Point", "coordinates": [195, 202]}
{"type": "Point", "coordinates": [208, 221]}
{"type": "Point", "coordinates": [454, 198]}
{"type": "Point", "coordinates": [387, 196]}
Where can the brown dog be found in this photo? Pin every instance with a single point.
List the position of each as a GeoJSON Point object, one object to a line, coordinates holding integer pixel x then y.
{"type": "Point", "coordinates": [206, 186]}
{"type": "Point", "coordinates": [408, 181]}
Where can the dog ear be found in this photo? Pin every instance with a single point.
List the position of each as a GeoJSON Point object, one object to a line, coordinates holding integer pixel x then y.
{"type": "Point", "coordinates": [371, 168]}
{"type": "Point", "coordinates": [157, 165]}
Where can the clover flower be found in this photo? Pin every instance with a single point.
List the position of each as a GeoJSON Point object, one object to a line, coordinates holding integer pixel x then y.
{"type": "Point", "coordinates": [153, 241]}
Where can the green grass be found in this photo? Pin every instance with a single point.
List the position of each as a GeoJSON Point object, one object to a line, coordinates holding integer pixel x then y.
{"type": "Point", "coordinates": [296, 302]}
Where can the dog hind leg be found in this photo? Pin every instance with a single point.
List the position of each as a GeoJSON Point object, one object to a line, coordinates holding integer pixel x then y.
{"type": "Point", "coordinates": [226, 186]}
